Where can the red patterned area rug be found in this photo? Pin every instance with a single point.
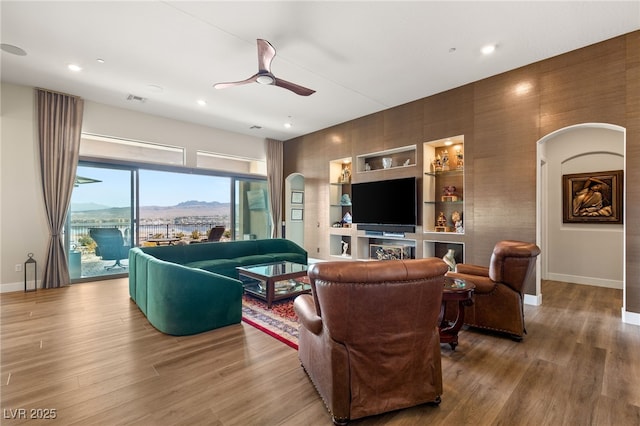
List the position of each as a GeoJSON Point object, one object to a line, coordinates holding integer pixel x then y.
{"type": "Point", "coordinates": [280, 321]}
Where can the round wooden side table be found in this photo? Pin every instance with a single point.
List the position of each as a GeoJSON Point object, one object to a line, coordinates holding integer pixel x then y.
{"type": "Point", "coordinates": [454, 289]}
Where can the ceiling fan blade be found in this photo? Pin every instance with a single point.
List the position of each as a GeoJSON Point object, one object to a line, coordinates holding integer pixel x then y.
{"type": "Point", "coordinates": [302, 91]}
{"type": "Point", "coordinates": [266, 53]}
{"type": "Point", "coordinates": [251, 79]}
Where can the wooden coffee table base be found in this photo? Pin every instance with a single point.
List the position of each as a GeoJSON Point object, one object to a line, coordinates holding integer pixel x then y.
{"type": "Point", "coordinates": [262, 280]}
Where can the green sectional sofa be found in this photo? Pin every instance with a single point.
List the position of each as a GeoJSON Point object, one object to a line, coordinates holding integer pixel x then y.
{"type": "Point", "coordinates": [188, 289]}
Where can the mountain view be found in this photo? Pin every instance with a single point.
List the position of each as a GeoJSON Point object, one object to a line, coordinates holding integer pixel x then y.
{"type": "Point", "coordinates": [202, 210]}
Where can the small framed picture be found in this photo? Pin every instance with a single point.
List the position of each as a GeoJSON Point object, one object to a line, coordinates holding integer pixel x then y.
{"type": "Point", "coordinates": [296, 214]}
{"type": "Point", "coordinates": [297, 197]}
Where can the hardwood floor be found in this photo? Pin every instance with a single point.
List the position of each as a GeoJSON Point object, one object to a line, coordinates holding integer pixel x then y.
{"type": "Point", "coordinates": [89, 353]}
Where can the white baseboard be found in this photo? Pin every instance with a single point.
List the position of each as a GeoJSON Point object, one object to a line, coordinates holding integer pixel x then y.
{"type": "Point", "coordinates": [630, 317]}
{"type": "Point", "coordinates": [575, 279]}
{"type": "Point", "coordinates": [19, 286]}
{"type": "Point", "coordinates": [532, 299]}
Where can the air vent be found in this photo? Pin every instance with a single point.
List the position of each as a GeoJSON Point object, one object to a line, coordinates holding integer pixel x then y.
{"type": "Point", "coordinates": [135, 98]}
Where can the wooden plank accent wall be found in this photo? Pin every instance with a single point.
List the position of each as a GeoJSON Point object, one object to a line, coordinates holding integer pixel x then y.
{"type": "Point", "coordinates": [504, 162]}
{"type": "Point", "coordinates": [502, 118]}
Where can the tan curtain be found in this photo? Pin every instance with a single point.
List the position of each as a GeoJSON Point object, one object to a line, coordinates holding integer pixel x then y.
{"type": "Point", "coordinates": [275, 155]}
{"type": "Point", "coordinates": [59, 127]}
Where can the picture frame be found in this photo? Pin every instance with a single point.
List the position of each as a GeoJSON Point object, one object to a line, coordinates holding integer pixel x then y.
{"type": "Point", "coordinates": [297, 214]}
{"type": "Point", "coordinates": [297, 197]}
{"type": "Point", "coordinates": [592, 197]}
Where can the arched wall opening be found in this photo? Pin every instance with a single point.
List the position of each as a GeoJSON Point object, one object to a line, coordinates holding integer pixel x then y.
{"type": "Point", "coordinates": [579, 253]}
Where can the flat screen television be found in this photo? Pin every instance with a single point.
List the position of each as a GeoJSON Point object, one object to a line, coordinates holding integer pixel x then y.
{"type": "Point", "coordinates": [385, 202]}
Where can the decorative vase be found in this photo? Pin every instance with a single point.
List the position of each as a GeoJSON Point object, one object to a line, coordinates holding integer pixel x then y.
{"type": "Point", "coordinates": [386, 162]}
{"type": "Point", "coordinates": [450, 259]}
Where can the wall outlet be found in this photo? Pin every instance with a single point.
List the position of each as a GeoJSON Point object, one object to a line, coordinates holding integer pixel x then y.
{"type": "Point", "coordinates": [18, 267]}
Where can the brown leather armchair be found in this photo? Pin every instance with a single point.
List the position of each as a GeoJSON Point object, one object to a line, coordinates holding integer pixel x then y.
{"type": "Point", "coordinates": [498, 299]}
{"type": "Point", "coordinates": [369, 336]}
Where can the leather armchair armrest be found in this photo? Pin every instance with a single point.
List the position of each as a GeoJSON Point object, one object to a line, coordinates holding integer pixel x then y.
{"type": "Point", "coordinates": [305, 308]}
{"type": "Point", "coordinates": [463, 268]}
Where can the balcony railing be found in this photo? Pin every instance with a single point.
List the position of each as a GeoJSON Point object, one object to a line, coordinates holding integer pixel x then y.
{"type": "Point", "coordinates": [186, 231]}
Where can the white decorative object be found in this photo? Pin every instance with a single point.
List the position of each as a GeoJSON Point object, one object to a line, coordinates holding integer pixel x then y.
{"type": "Point", "coordinates": [386, 162]}
{"type": "Point", "coordinates": [345, 247]}
{"type": "Point", "coordinates": [450, 259]}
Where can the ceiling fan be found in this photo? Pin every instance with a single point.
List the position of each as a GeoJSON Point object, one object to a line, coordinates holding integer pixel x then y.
{"type": "Point", "coordinates": [266, 53]}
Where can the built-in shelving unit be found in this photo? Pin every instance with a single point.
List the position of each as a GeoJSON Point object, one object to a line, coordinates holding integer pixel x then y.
{"type": "Point", "coordinates": [340, 232]}
{"type": "Point", "coordinates": [443, 197]}
{"type": "Point", "coordinates": [360, 244]}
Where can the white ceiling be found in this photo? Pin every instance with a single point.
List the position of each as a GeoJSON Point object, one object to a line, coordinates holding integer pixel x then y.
{"type": "Point", "coordinates": [361, 57]}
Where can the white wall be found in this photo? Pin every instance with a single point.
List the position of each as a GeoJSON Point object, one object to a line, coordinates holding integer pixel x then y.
{"type": "Point", "coordinates": [23, 226]}
{"type": "Point", "coordinates": [294, 228]}
{"type": "Point", "coordinates": [582, 253]}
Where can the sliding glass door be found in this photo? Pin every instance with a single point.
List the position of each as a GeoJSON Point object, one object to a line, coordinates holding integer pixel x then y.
{"type": "Point", "coordinates": [101, 221]}
{"type": "Point", "coordinates": [252, 217]}
{"type": "Point", "coordinates": [116, 207]}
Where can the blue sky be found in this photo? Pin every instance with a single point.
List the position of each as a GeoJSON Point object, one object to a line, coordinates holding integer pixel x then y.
{"type": "Point", "coordinates": [156, 188]}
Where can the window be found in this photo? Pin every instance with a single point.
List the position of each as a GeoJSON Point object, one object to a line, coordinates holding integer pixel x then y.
{"type": "Point", "coordinates": [215, 161]}
{"type": "Point", "coordinates": [121, 149]}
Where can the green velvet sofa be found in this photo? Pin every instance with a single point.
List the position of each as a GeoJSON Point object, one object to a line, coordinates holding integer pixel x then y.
{"type": "Point", "coordinates": [188, 289]}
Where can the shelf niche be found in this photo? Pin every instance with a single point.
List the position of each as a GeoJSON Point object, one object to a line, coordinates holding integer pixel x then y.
{"type": "Point", "coordinates": [399, 157]}
{"type": "Point", "coordinates": [340, 171]}
{"type": "Point", "coordinates": [440, 248]}
{"type": "Point", "coordinates": [443, 186]}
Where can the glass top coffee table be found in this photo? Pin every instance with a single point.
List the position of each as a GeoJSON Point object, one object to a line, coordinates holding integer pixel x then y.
{"type": "Point", "coordinates": [274, 281]}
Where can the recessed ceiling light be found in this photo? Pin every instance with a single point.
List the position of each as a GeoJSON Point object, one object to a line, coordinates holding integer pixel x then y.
{"type": "Point", "coordinates": [201, 102]}
{"type": "Point", "coordinates": [448, 142]}
{"type": "Point", "coordinates": [74, 67]}
{"type": "Point", "coordinates": [100, 61]}
{"type": "Point", "coordinates": [287, 125]}
{"type": "Point", "coordinates": [14, 50]}
{"type": "Point", "coordinates": [488, 49]}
